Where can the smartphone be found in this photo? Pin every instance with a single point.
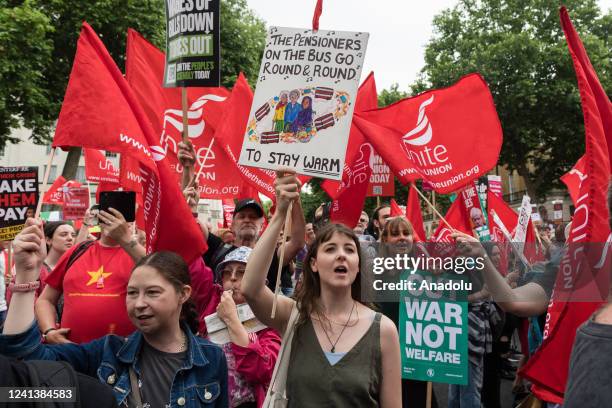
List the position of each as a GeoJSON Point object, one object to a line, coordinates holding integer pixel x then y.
{"type": "Point", "coordinates": [122, 201]}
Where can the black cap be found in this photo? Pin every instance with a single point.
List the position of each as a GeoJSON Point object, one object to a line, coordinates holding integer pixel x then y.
{"type": "Point", "coordinates": [249, 203]}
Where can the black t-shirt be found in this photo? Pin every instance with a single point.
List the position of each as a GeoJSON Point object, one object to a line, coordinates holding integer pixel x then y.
{"type": "Point", "coordinates": [218, 250]}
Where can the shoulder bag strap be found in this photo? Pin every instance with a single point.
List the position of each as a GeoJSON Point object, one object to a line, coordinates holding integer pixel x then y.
{"type": "Point", "coordinates": [135, 388]}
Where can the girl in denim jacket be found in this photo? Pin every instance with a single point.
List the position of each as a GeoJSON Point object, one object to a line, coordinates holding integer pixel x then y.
{"type": "Point", "coordinates": [162, 364]}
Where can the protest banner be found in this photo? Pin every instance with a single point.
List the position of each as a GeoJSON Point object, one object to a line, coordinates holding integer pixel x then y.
{"type": "Point", "coordinates": [18, 194]}
{"type": "Point", "coordinates": [381, 181]}
{"type": "Point", "coordinates": [495, 185]}
{"type": "Point", "coordinates": [477, 217]}
{"type": "Point", "coordinates": [433, 328]}
{"type": "Point", "coordinates": [228, 212]}
{"type": "Point", "coordinates": [304, 101]}
{"type": "Point", "coordinates": [76, 202]}
{"type": "Point", "coordinates": [193, 47]}
{"type": "Point", "coordinates": [520, 233]}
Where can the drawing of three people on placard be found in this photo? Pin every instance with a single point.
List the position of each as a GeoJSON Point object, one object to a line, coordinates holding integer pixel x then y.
{"type": "Point", "coordinates": [291, 116]}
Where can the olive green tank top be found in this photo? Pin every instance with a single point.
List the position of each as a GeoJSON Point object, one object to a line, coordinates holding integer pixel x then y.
{"type": "Point", "coordinates": [354, 381]}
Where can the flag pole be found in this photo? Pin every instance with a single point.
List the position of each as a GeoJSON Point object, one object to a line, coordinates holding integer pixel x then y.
{"type": "Point", "coordinates": [44, 183]}
{"type": "Point", "coordinates": [432, 207]}
{"type": "Point", "coordinates": [286, 233]}
{"type": "Point", "coordinates": [185, 118]}
{"type": "Point", "coordinates": [429, 387]}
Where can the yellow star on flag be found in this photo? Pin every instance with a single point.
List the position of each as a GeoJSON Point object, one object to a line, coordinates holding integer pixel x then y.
{"type": "Point", "coordinates": [96, 275]}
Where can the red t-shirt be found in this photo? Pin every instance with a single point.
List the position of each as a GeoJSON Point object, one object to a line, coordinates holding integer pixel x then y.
{"type": "Point", "coordinates": [94, 289]}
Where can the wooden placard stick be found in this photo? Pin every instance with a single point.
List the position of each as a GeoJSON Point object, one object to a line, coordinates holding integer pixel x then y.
{"type": "Point", "coordinates": [44, 183]}
{"type": "Point", "coordinates": [432, 207]}
{"type": "Point", "coordinates": [286, 233]}
{"type": "Point", "coordinates": [429, 392]}
{"type": "Point", "coordinates": [185, 117]}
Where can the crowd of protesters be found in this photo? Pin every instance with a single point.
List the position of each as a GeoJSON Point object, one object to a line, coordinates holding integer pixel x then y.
{"type": "Point", "coordinates": [137, 322]}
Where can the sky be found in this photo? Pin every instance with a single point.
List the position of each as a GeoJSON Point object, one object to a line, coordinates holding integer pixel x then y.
{"type": "Point", "coordinates": [399, 31]}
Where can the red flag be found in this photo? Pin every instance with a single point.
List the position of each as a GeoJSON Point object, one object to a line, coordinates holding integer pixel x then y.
{"type": "Point", "coordinates": [230, 135]}
{"type": "Point", "coordinates": [55, 194]}
{"type": "Point", "coordinates": [106, 186]}
{"type": "Point", "coordinates": [415, 216]}
{"type": "Point", "coordinates": [396, 211]}
{"type": "Point", "coordinates": [100, 100]}
{"type": "Point", "coordinates": [98, 108]}
{"type": "Point", "coordinates": [548, 368]}
{"type": "Point", "coordinates": [458, 219]}
{"type": "Point", "coordinates": [163, 106]}
{"type": "Point", "coordinates": [347, 208]}
{"type": "Point", "coordinates": [99, 168]}
{"type": "Point", "coordinates": [228, 212]}
{"type": "Point", "coordinates": [573, 178]}
{"type": "Point", "coordinates": [434, 135]}
{"type": "Point", "coordinates": [367, 98]}
{"type": "Point", "coordinates": [317, 13]}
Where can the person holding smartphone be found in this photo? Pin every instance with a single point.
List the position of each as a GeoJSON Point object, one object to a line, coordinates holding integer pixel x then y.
{"type": "Point", "coordinates": [93, 278]}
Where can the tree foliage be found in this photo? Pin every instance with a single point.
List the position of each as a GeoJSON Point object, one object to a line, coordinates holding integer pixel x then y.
{"type": "Point", "coordinates": [519, 48]}
{"type": "Point", "coordinates": [38, 42]}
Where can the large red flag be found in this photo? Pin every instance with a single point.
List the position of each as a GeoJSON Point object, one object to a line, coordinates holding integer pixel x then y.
{"type": "Point", "coordinates": [448, 136]}
{"type": "Point", "coordinates": [144, 72]}
{"type": "Point", "coordinates": [458, 219]}
{"type": "Point", "coordinates": [99, 168]}
{"type": "Point", "coordinates": [396, 211]}
{"type": "Point", "coordinates": [231, 132]}
{"type": "Point", "coordinates": [415, 215]}
{"type": "Point", "coordinates": [573, 178]}
{"type": "Point", "coordinates": [100, 111]}
{"type": "Point", "coordinates": [347, 208]}
{"type": "Point", "coordinates": [584, 282]}
{"type": "Point", "coordinates": [367, 99]}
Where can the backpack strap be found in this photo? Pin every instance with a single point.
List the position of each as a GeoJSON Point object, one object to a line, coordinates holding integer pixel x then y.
{"type": "Point", "coordinates": [80, 250]}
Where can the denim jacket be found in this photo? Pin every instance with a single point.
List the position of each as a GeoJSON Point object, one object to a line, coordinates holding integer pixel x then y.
{"type": "Point", "coordinates": [200, 382]}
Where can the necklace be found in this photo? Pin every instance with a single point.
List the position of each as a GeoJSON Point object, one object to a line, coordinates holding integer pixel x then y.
{"type": "Point", "coordinates": [333, 343]}
{"type": "Point", "coordinates": [340, 324]}
{"type": "Point", "coordinates": [183, 343]}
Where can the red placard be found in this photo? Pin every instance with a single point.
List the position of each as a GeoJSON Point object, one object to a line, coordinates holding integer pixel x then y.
{"type": "Point", "coordinates": [76, 202]}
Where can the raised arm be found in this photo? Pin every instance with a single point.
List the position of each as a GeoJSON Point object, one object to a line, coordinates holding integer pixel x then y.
{"type": "Point", "coordinates": [253, 286]}
{"type": "Point", "coordinates": [526, 300]}
{"type": "Point", "coordinates": [298, 232]}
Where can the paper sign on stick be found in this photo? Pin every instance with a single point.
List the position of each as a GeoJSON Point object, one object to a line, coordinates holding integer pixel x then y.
{"type": "Point", "coordinates": [433, 328]}
{"type": "Point", "coordinates": [304, 101]}
{"type": "Point", "coordinates": [18, 193]}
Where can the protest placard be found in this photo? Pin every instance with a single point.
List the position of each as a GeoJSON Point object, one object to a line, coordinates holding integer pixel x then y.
{"type": "Point", "coordinates": [495, 185]}
{"type": "Point", "coordinates": [303, 105]}
{"type": "Point", "coordinates": [76, 202]}
{"type": "Point", "coordinates": [18, 194]}
{"type": "Point", "coordinates": [192, 43]}
{"type": "Point", "coordinates": [217, 329]}
{"type": "Point", "coordinates": [433, 328]}
{"type": "Point", "coordinates": [381, 181]}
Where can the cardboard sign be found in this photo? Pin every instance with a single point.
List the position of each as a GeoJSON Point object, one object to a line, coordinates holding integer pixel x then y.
{"type": "Point", "coordinates": [192, 43]}
{"type": "Point", "coordinates": [303, 106]}
{"type": "Point", "coordinates": [495, 185]}
{"type": "Point", "coordinates": [520, 233]}
{"type": "Point", "coordinates": [18, 194]}
{"type": "Point", "coordinates": [433, 328]}
{"type": "Point", "coordinates": [76, 202]}
{"type": "Point", "coordinates": [381, 181]}
{"type": "Point", "coordinates": [217, 330]}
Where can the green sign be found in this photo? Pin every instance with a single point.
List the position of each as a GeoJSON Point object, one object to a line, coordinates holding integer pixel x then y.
{"type": "Point", "coordinates": [434, 329]}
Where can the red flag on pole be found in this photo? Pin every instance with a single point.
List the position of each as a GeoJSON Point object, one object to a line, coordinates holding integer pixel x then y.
{"type": "Point", "coordinates": [433, 136]}
{"type": "Point", "coordinates": [100, 100]}
{"type": "Point", "coordinates": [458, 218]}
{"type": "Point", "coordinates": [347, 208]}
{"type": "Point", "coordinates": [55, 194]}
{"type": "Point", "coordinates": [317, 14]}
{"type": "Point", "coordinates": [396, 211]}
{"type": "Point", "coordinates": [99, 168]}
{"type": "Point", "coordinates": [415, 215]}
{"type": "Point", "coordinates": [230, 135]}
{"type": "Point", "coordinates": [586, 263]}
{"type": "Point", "coordinates": [573, 178]}
{"type": "Point", "coordinates": [367, 98]}
{"type": "Point", "coordinates": [144, 72]}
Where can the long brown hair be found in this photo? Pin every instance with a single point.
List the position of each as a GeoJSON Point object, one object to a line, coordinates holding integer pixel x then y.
{"type": "Point", "coordinates": [309, 292]}
{"type": "Point", "coordinates": [174, 269]}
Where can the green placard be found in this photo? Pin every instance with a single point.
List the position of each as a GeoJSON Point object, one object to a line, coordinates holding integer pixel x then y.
{"type": "Point", "coordinates": [434, 330]}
